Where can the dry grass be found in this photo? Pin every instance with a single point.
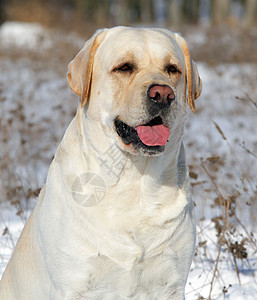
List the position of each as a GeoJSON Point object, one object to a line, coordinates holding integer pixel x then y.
{"type": "Point", "coordinates": [29, 135]}
{"type": "Point", "coordinates": [233, 212]}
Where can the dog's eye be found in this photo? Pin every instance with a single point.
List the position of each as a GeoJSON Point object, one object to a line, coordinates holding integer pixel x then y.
{"type": "Point", "coordinates": [172, 69]}
{"type": "Point", "coordinates": [124, 68]}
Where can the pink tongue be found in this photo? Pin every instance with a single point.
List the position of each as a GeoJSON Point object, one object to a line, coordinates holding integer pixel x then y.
{"type": "Point", "coordinates": [153, 135]}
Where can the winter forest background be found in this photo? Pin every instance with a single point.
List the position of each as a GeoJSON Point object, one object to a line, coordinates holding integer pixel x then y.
{"type": "Point", "coordinates": [38, 38]}
{"type": "Point", "coordinates": [127, 12]}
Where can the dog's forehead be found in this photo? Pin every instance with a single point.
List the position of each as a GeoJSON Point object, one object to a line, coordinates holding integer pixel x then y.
{"type": "Point", "coordinates": [141, 43]}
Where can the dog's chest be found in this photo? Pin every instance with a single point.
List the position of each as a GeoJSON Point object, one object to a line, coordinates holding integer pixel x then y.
{"type": "Point", "coordinates": [131, 254]}
{"type": "Point", "coordinates": [136, 262]}
{"type": "Point", "coordinates": [146, 268]}
{"type": "Point", "coordinates": [108, 280]}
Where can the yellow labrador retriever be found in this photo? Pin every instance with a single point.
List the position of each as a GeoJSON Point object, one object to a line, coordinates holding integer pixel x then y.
{"type": "Point", "coordinates": [115, 218]}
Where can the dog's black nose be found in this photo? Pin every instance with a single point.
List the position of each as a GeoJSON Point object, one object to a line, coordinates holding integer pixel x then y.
{"type": "Point", "coordinates": [162, 95]}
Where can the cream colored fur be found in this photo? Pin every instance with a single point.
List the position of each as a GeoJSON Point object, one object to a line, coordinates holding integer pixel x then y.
{"type": "Point", "coordinates": [137, 241]}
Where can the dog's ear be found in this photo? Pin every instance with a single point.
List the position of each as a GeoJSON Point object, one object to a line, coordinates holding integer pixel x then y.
{"type": "Point", "coordinates": [80, 69]}
{"type": "Point", "coordinates": [194, 82]}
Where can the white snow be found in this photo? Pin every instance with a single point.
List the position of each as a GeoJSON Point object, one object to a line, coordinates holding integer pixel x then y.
{"type": "Point", "coordinates": [24, 35]}
{"type": "Point", "coordinates": [36, 107]}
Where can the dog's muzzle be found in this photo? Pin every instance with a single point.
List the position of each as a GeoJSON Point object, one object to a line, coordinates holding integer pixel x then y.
{"type": "Point", "coordinates": [151, 137]}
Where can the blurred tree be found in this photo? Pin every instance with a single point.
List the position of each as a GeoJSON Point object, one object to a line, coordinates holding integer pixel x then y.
{"type": "Point", "coordinates": [204, 13]}
{"type": "Point", "coordinates": [145, 9]}
{"type": "Point", "coordinates": [2, 11]}
{"type": "Point", "coordinates": [102, 13]}
{"type": "Point", "coordinates": [193, 10]}
{"type": "Point", "coordinates": [250, 16]}
{"type": "Point", "coordinates": [85, 8]}
{"type": "Point", "coordinates": [159, 11]}
{"type": "Point", "coordinates": [123, 10]}
{"type": "Point", "coordinates": [175, 12]}
{"type": "Point", "coordinates": [220, 11]}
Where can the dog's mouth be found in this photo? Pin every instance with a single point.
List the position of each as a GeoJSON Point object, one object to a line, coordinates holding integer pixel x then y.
{"type": "Point", "coordinates": [151, 136]}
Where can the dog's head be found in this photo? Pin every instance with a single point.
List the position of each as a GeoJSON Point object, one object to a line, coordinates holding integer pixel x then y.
{"type": "Point", "coordinates": [136, 82]}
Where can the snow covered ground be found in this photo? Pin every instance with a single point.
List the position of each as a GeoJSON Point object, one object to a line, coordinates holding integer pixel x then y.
{"type": "Point", "coordinates": [36, 106]}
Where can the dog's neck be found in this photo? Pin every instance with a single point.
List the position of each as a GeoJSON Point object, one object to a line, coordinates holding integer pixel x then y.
{"type": "Point", "coordinates": [111, 163]}
{"type": "Point", "coordinates": [93, 174]}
